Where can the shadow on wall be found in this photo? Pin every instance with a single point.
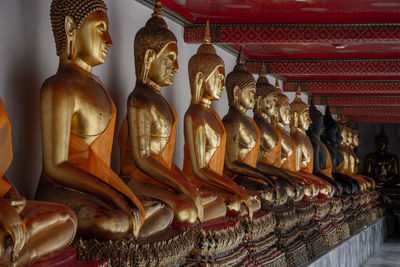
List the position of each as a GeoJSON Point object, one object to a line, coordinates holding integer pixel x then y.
{"type": "Point", "coordinates": [368, 132]}
{"type": "Point", "coordinates": [23, 87]}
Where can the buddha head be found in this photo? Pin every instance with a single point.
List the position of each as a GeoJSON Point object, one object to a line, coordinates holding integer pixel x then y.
{"type": "Point", "coordinates": [317, 126]}
{"type": "Point", "coordinates": [356, 136]}
{"type": "Point", "coordinates": [266, 96]}
{"type": "Point", "coordinates": [331, 134]}
{"type": "Point", "coordinates": [206, 72]}
{"type": "Point", "coordinates": [299, 113]}
{"type": "Point", "coordinates": [283, 106]}
{"type": "Point", "coordinates": [349, 134]}
{"type": "Point", "coordinates": [343, 130]}
{"type": "Point", "coordinates": [240, 85]}
{"type": "Point", "coordinates": [156, 52]}
{"type": "Point", "coordinates": [382, 141]}
{"type": "Point", "coordinates": [81, 31]}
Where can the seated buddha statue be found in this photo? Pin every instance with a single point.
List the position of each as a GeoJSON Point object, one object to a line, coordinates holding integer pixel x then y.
{"type": "Point", "coordinates": [332, 139]}
{"type": "Point", "coordinates": [29, 230]}
{"type": "Point", "coordinates": [147, 151]}
{"type": "Point", "coordinates": [299, 112]}
{"type": "Point", "coordinates": [77, 122]}
{"type": "Point", "coordinates": [288, 148]}
{"type": "Point", "coordinates": [205, 135]}
{"type": "Point", "coordinates": [355, 142]}
{"type": "Point", "coordinates": [381, 165]}
{"type": "Point", "coordinates": [243, 137]}
{"type": "Point", "coordinates": [265, 111]}
{"type": "Point", "coordinates": [322, 162]}
{"type": "Point", "coordinates": [347, 166]}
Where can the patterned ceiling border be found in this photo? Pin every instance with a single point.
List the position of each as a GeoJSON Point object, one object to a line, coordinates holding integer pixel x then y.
{"type": "Point", "coordinates": [345, 87]}
{"type": "Point", "coordinates": [258, 34]}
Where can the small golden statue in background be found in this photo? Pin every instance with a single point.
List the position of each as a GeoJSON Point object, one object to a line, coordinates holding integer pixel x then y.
{"type": "Point", "coordinates": [78, 119]}
{"type": "Point", "coordinates": [29, 230]}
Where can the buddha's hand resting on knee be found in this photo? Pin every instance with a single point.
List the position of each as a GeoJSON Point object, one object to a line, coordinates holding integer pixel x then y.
{"type": "Point", "coordinates": [11, 222]}
{"type": "Point", "coordinates": [133, 212]}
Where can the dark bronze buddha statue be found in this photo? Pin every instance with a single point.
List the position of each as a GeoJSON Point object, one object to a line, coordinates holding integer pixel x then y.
{"type": "Point", "coordinates": [332, 138]}
{"type": "Point", "coordinates": [382, 165]}
{"type": "Point", "coordinates": [322, 165]}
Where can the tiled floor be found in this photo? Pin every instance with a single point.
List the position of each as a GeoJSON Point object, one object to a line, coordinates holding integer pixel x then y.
{"type": "Point", "coordinates": [388, 255]}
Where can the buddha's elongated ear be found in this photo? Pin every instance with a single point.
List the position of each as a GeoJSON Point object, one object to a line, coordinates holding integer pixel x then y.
{"type": "Point", "coordinates": [258, 100]}
{"type": "Point", "coordinates": [198, 87]}
{"type": "Point", "coordinates": [149, 56]}
{"type": "Point", "coordinates": [236, 90]}
{"type": "Point", "coordinates": [70, 31]}
{"type": "Point", "coordinates": [295, 119]}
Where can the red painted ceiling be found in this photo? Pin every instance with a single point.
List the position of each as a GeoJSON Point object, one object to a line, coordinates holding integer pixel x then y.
{"type": "Point", "coordinates": [347, 51]}
{"type": "Point", "coordinates": [287, 11]}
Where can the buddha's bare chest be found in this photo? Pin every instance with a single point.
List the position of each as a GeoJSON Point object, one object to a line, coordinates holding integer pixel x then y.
{"type": "Point", "coordinates": [162, 120]}
{"type": "Point", "coordinates": [93, 110]}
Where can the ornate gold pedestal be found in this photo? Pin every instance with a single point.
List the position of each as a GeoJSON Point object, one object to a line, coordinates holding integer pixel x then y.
{"type": "Point", "coordinates": [219, 244]}
{"type": "Point", "coordinates": [170, 249]}
{"type": "Point", "coordinates": [260, 240]}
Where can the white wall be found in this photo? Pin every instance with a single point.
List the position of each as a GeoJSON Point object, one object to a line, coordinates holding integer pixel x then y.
{"type": "Point", "coordinates": [28, 57]}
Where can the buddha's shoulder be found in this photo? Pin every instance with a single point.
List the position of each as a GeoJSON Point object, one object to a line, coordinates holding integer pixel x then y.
{"type": "Point", "coordinates": [232, 119]}
{"type": "Point", "coordinates": [197, 114]}
{"type": "Point", "coordinates": [141, 95]}
{"type": "Point", "coordinates": [65, 81]}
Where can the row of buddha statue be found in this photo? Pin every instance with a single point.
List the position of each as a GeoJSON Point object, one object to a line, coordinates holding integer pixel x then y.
{"type": "Point", "coordinates": [253, 190]}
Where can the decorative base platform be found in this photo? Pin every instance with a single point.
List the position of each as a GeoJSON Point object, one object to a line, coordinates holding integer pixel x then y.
{"type": "Point", "coordinates": [169, 251]}
{"type": "Point", "coordinates": [355, 250]}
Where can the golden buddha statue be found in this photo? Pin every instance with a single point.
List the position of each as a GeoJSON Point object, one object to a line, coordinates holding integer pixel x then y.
{"type": "Point", "coordinates": [348, 164]}
{"type": "Point", "coordinates": [147, 152]}
{"type": "Point", "coordinates": [205, 135]}
{"type": "Point", "coordinates": [29, 230]}
{"type": "Point", "coordinates": [300, 122]}
{"type": "Point", "coordinates": [78, 118]}
{"type": "Point", "coordinates": [288, 155]}
{"type": "Point", "coordinates": [265, 111]}
{"type": "Point", "coordinates": [382, 165]}
{"type": "Point", "coordinates": [243, 137]}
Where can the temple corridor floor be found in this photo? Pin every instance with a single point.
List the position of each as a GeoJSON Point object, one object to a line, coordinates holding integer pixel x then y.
{"type": "Point", "coordinates": [388, 254]}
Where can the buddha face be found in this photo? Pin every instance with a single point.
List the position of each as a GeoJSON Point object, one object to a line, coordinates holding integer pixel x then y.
{"type": "Point", "coordinates": [349, 136]}
{"type": "Point", "coordinates": [356, 140]}
{"type": "Point", "coordinates": [381, 144]}
{"type": "Point", "coordinates": [165, 65]}
{"type": "Point", "coordinates": [284, 114]}
{"type": "Point", "coordinates": [93, 39]}
{"type": "Point", "coordinates": [214, 84]}
{"type": "Point", "coordinates": [304, 120]}
{"type": "Point", "coordinates": [246, 96]}
{"type": "Point", "coordinates": [319, 127]}
{"type": "Point", "coordinates": [268, 105]}
{"type": "Point", "coordinates": [343, 133]}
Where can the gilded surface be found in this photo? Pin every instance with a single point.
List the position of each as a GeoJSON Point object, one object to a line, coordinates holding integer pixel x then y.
{"type": "Point", "coordinates": [205, 136]}
{"type": "Point", "coordinates": [78, 118]}
{"type": "Point", "coordinates": [29, 230]}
